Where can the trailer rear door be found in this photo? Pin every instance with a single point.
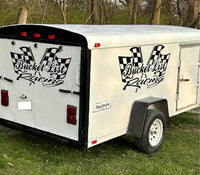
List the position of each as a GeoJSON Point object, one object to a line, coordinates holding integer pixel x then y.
{"type": "Point", "coordinates": [42, 81]}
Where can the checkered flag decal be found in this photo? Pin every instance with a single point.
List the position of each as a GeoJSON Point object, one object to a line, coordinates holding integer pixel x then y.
{"type": "Point", "coordinates": [62, 62]}
{"type": "Point", "coordinates": [137, 74]}
{"type": "Point", "coordinates": [155, 55]}
{"type": "Point", "coordinates": [50, 72]}
{"type": "Point", "coordinates": [123, 62]}
{"type": "Point", "coordinates": [136, 60]}
{"type": "Point", "coordinates": [27, 55]}
{"type": "Point", "coordinates": [49, 56]}
{"type": "Point", "coordinates": [15, 57]}
{"type": "Point", "coordinates": [164, 60]}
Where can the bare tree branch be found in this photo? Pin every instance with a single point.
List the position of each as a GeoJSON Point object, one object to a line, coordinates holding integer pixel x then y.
{"type": "Point", "coordinates": [63, 10]}
{"type": "Point", "coordinates": [165, 3]}
{"type": "Point", "coordinates": [123, 2]}
{"type": "Point", "coordinates": [94, 11]}
{"type": "Point", "coordinates": [134, 12]}
{"type": "Point", "coordinates": [89, 17]}
{"type": "Point", "coordinates": [101, 12]}
{"type": "Point", "coordinates": [45, 10]}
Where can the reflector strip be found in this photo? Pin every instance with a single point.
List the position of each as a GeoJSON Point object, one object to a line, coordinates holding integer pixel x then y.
{"type": "Point", "coordinates": [71, 115]}
{"type": "Point", "coordinates": [4, 98]}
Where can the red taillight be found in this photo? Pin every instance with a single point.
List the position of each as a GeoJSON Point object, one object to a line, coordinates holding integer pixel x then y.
{"type": "Point", "coordinates": [51, 36]}
{"type": "Point", "coordinates": [36, 35]}
{"type": "Point", "coordinates": [23, 34]}
{"type": "Point", "coordinates": [97, 45]}
{"type": "Point", "coordinates": [4, 98]}
{"type": "Point", "coordinates": [71, 115]}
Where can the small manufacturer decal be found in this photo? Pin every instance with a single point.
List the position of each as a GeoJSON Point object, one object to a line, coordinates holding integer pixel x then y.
{"type": "Point", "coordinates": [136, 74]}
{"type": "Point", "coordinates": [50, 72]}
{"type": "Point", "coordinates": [102, 106]}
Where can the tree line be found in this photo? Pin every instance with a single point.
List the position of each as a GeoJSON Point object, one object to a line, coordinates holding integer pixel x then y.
{"type": "Point", "coordinates": [169, 12]}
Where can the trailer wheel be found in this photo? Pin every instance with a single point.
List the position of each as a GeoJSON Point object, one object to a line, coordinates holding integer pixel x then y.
{"type": "Point", "coordinates": [153, 132]}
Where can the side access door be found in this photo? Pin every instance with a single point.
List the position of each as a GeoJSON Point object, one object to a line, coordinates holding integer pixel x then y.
{"type": "Point", "coordinates": [188, 76]}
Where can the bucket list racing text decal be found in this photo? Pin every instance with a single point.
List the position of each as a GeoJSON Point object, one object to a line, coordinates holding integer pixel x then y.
{"type": "Point", "coordinates": [50, 72]}
{"type": "Point", "coordinates": [135, 73]}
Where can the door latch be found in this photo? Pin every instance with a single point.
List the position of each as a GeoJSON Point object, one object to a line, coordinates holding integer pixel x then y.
{"type": "Point", "coordinates": [184, 79]}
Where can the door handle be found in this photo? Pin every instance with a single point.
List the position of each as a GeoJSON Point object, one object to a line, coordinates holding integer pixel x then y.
{"type": "Point", "coordinates": [184, 79]}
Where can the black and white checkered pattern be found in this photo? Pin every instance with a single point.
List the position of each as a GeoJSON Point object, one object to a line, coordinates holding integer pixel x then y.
{"type": "Point", "coordinates": [164, 58]}
{"type": "Point", "coordinates": [63, 61]}
{"type": "Point", "coordinates": [49, 56]}
{"type": "Point", "coordinates": [15, 57]}
{"type": "Point", "coordinates": [123, 62]}
{"type": "Point", "coordinates": [136, 60]}
{"type": "Point", "coordinates": [137, 56]}
{"type": "Point", "coordinates": [155, 55]}
{"type": "Point", "coordinates": [64, 64]}
{"type": "Point", "coordinates": [27, 55]}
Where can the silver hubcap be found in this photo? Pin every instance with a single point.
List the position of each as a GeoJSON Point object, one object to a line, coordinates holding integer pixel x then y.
{"type": "Point", "coordinates": [155, 132]}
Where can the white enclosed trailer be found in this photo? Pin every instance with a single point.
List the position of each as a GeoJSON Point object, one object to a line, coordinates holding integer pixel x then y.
{"type": "Point", "coordinates": [87, 84]}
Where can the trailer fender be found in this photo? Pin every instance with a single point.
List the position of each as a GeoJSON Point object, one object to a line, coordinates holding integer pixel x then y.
{"type": "Point", "coordinates": [139, 111]}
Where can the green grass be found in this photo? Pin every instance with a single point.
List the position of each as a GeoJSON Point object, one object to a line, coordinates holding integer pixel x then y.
{"type": "Point", "coordinates": [25, 154]}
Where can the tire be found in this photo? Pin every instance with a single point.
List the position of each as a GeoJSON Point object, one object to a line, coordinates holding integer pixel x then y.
{"type": "Point", "coordinates": [153, 132]}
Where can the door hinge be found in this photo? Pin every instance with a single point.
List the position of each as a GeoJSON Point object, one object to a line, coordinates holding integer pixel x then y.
{"type": "Point", "coordinates": [196, 85]}
{"type": "Point", "coordinates": [179, 63]}
{"type": "Point", "coordinates": [83, 132]}
{"type": "Point", "coordinates": [177, 97]}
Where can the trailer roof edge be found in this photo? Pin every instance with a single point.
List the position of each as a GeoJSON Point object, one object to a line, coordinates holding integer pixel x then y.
{"type": "Point", "coordinates": [128, 35]}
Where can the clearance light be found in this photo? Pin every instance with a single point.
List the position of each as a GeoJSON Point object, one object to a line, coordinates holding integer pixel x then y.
{"type": "Point", "coordinates": [23, 34]}
{"type": "Point", "coordinates": [94, 142]}
{"type": "Point", "coordinates": [97, 45]}
{"type": "Point", "coordinates": [4, 98]}
{"type": "Point", "coordinates": [71, 115]}
{"type": "Point", "coordinates": [51, 36]}
{"type": "Point", "coordinates": [36, 35]}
